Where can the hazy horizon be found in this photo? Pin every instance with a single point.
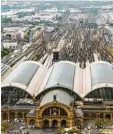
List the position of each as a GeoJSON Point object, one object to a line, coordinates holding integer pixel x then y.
{"type": "Point", "coordinates": [56, 0]}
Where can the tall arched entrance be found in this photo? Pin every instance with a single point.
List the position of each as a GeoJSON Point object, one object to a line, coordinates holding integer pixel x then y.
{"type": "Point", "coordinates": [55, 123]}
{"type": "Point", "coordinates": [101, 116]}
{"type": "Point", "coordinates": [46, 124]}
{"type": "Point", "coordinates": [92, 116]}
{"type": "Point", "coordinates": [108, 116]}
{"type": "Point", "coordinates": [12, 116]}
{"type": "Point", "coordinates": [63, 123]}
{"type": "Point", "coordinates": [55, 116]}
{"type": "Point", "coordinates": [19, 116]}
{"type": "Point", "coordinates": [32, 123]}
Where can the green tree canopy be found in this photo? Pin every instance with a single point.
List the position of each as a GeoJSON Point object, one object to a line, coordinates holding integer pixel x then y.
{"type": "Point", "coordinates": [4, 52]}
{"type": "Point", "coordinates": [5, 126]}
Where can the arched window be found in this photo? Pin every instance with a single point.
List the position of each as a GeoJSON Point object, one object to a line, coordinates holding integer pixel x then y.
{"type": "Point", "coordinates": [19, 115]}
{"type": "Point", "coordinates": [12, 94]}
{"type": "Point", "coordinates": [12, 115]}
{"type": "Point", "coordinates": [54, 111]}
{"type": "Point", "coordinates": [54, 123]}
{"type": "Point", "coordinates": [86, 115]}
{"type": "Point", "coordinates": [101, 116]}
{"type": "Point", "coordinates": [46, 123]}
{"type": "Point", "coordinates": [63, 123]}
{"type": "Point", "coordinates": [63, 112]}
{"type": "Point", "coordinates": [108, 116]}
{"type": "Point", "coordinates": [32, 123]}
{"type": "Point", "coordinates": [93, 116]}
{"type": "Point", "coordinates": [105, 93]}
{"type": "Point", "coordinates": [47, 112]}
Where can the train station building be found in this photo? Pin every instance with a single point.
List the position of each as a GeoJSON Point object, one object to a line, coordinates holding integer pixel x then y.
{"type": "Point", "coordinates": [62, 96]}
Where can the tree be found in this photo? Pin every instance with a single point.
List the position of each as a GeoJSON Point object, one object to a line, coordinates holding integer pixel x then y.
{"type": "Point", "coordinates": [59, 130]}
{"type": "Point", "coordinates": [108, 122]}
{"type": "Point", "coordinates": [99, 123]}
{"type": "Point", "coordinates": [5, 126]}
{"type": "Point", "coordinates": [4, 52]}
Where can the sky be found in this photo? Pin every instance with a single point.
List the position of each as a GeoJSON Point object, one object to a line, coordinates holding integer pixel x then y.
{"type": "Point", "coordinates": [57, 0]}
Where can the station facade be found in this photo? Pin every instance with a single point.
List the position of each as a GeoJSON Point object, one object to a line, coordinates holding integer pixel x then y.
{"type": "Point", "coordinates": [62, 96]}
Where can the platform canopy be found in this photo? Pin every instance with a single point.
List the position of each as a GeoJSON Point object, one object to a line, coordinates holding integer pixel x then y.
{"type": "Point", "coordinates": [60, 76]}
{"type": "Point", "coordinates": [101, 80]}
{"type": "Point", "coordinates": [65, 77]}
{"type": "Point", "coordinates": [25, 76]}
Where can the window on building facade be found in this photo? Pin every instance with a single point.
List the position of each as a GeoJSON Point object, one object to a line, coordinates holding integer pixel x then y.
{"type": "Point", "coordinates": [54, 111]}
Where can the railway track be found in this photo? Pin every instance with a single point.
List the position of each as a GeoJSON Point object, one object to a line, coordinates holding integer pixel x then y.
{"type": "Point", "coordinates": [82, 47]}
{"type": "Point", "coordinates": [79, 46]}
{"type": "Point", "coordinates": [36, 50]}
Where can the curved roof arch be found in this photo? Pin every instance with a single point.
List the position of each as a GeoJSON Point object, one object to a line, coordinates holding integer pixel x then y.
{"type": "Point", "coordinates": [102, 86]}
{"type": "Point", "coordinates": [48, 97]}
{"type": "Point", "coordinates": [12, 94]}
{"type": "Point", "coordinates": [70, 92]}
{"type": "Point", "coordinates": [98, 62]}
{"type": "Point", "coordinates": [18, 85]}
{"type": "Point", "coordinates": [12, 88]}
{"type": "Point", "coordinates": [68, 62]}
{"type": "Point", "coordinates": [96, 75]}
{"type": "Point", "coordinates": [23, 76]}
{"type": "Point", "coordinates": [60, 75]}
{"type": "Point", "coordinates": [58, 104]}
{"type": "Point", "coordinates": [101, 73]}
{"type": "Point", "coordinates": [103, 92]}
